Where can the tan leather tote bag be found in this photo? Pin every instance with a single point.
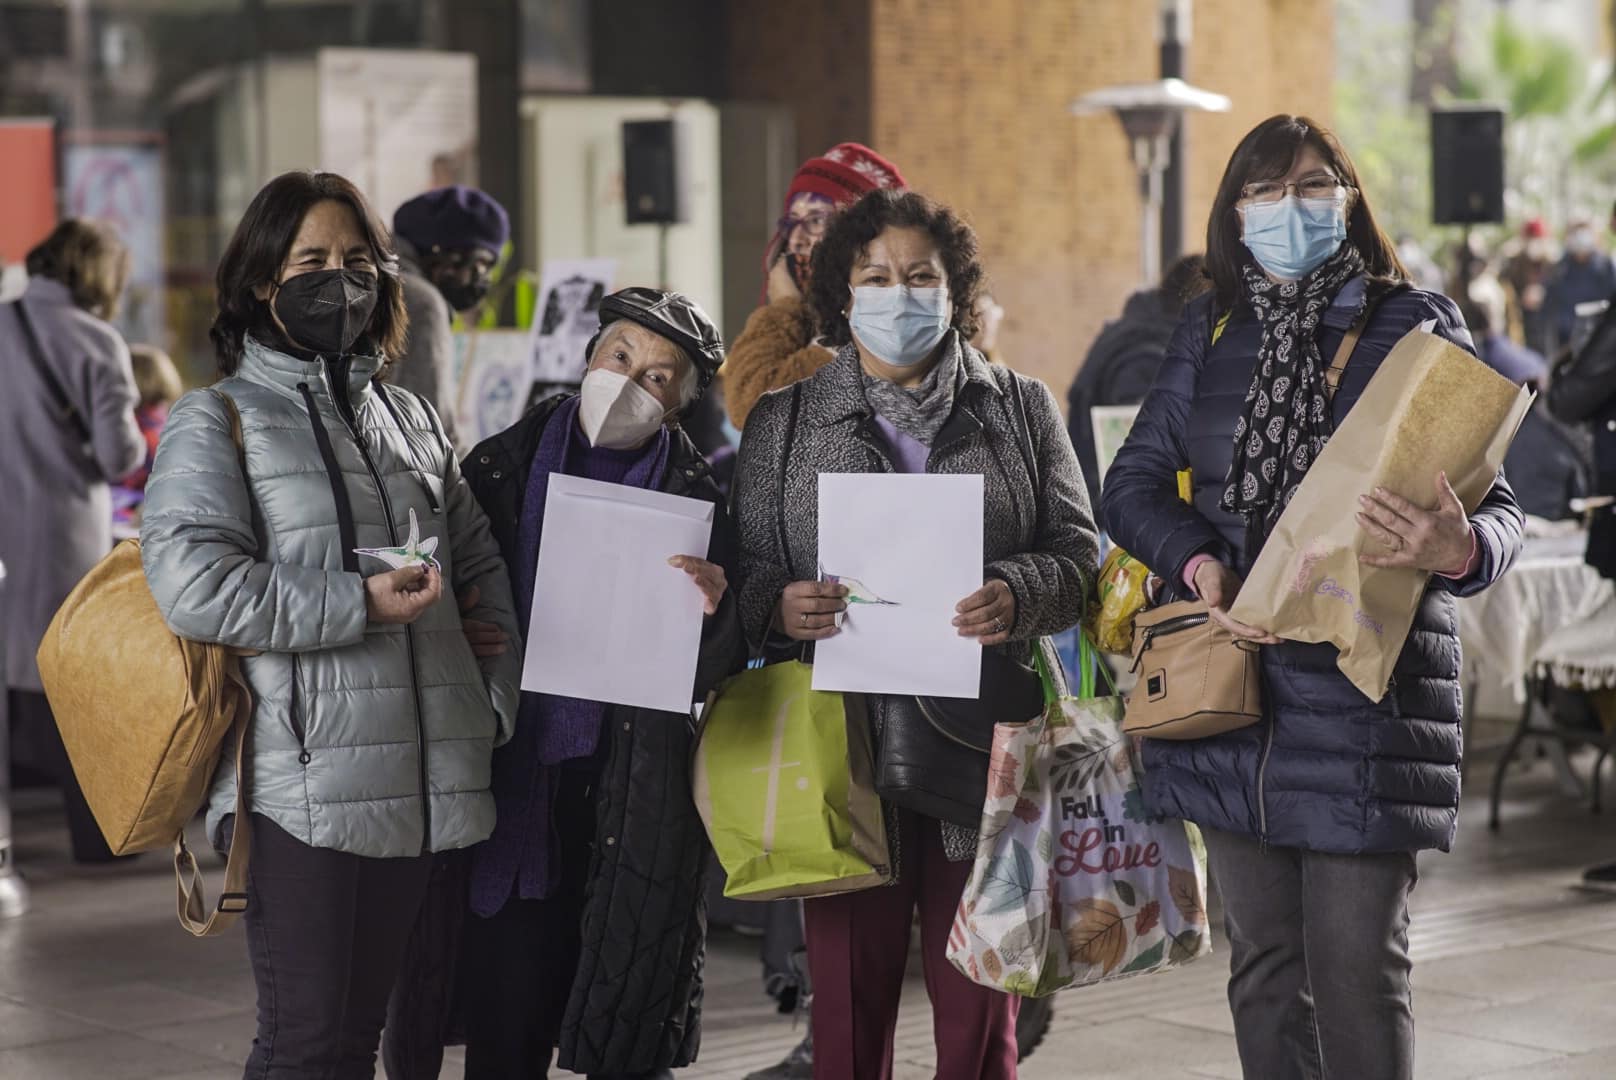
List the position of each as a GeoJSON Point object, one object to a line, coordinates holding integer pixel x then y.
{"type": "Point", "coordinates": [144, 715]}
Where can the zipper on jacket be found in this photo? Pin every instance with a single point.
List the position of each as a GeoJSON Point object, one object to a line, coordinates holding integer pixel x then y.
{"type": "Point", "coordinates": [1262, 794]}
{"type": "Point", "coordinates": [409, 630]}
{"type": "Point", "coordinates": [295, 715]}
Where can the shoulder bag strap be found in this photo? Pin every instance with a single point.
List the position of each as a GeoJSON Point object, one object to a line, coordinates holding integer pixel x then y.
{"type": "Point", "coordinates": [1343, 352]}
{"type": "Point", "coordinates": [67, 412]}
{"type": "Point", "coordinates": [780, 480]}
{"type": "Point", "coordinates": [191, 894]}
{"type": "Point", "coordinates": [1024, 430]}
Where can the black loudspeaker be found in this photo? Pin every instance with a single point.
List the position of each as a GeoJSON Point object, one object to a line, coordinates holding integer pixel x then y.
{"type": "Point", "coordinates": [650, 172]}
{"type": "Point", "coordinates": [1467, 166]}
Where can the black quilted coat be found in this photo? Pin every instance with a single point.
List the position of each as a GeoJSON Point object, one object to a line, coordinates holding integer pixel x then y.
{"type": "Point", "coordinates": [1329, 770]}
{"type": "Point", "coordinates": [635, 1004]}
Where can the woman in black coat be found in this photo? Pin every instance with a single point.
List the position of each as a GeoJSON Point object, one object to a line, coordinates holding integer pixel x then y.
{"type": "Point", "coordinates": [1312, 818]}
{"type": "Point", "coordinates": [587, 933]}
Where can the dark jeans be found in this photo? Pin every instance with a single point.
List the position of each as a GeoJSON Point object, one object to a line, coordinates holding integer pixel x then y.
{"type": "Point", "coordinates": [1319, 967]}
{"type": "Point", "coordinates": [38, 744]}
{"type": "Point", "coordinates": [420, 1012]}
{"type": "Point", "coordinates": [326, 932]}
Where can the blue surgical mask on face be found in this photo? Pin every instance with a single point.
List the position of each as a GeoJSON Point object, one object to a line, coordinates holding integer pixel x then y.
{"type": "Point", "coordinates": [900, 325]}
{"type": "Point", "coordinates": [1291, 238]}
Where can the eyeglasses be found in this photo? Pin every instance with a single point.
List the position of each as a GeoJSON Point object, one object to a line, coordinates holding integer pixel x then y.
{"type": "Point", "coordinates": [814, 223]}
{"type": "Point", "coordinates": [1317, 186]}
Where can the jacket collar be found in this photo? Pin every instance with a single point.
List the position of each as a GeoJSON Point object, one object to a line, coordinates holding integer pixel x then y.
{"type": "Point", "coordinates": [282, 372]}
{"type": "Point", "coordinates": [839, 385]}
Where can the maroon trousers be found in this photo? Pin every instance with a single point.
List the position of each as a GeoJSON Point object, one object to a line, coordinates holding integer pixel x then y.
{"type": "Point", "coordinates": [858, 947]}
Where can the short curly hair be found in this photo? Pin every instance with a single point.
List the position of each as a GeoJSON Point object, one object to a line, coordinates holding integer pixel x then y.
{"type": "Point", "coordinates": [849, 235]}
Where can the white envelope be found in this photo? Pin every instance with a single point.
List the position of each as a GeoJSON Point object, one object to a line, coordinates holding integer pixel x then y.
{"type": "Point", "coordinates": [612, 621]}
{"type": "Point", "coordinates": [916, 540]}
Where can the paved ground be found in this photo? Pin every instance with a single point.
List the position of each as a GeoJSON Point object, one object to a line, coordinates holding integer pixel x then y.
{"type": "Point", "coordinates": [1515, 973]}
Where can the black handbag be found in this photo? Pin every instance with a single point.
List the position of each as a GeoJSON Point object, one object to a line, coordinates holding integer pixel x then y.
{"type": "Point", "coordinates": [933, 759]}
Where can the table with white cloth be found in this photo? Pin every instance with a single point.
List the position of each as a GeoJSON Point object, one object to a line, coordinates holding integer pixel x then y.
{"type": "Point", "coordinates": [1551, 620]}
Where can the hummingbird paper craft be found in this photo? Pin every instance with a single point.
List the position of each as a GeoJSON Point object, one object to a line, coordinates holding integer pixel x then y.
{"type": "Point", "coordinates": [414, 552]}
{"type": "Point", "coordinates": [857, 591]}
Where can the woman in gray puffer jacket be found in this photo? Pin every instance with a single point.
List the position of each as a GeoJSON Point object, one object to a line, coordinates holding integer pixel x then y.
{"type": "Point", "coordinates": [374, 724]}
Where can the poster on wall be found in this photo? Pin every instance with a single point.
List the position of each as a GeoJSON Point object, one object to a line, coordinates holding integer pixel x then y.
{"type": "Point", "coordinates": [494, 375]}
{"type": "Point", "coordinates": [119, 180]}
{"type": "Point", "coordinates": [398, 122]}
{"type": "Point", "coordinates": [567, 316]}
{"type": "Point", "coordinates": [28, 212]}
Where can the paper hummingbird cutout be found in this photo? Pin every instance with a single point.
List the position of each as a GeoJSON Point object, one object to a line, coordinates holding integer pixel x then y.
{"type": "Point", "coordinates": [414, 552]}
{"type": "Point", "coordinates": [857, 591]}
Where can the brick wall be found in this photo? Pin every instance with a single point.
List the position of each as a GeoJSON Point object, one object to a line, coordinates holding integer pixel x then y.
{"type": "Point", "coordinates": [971, 99]}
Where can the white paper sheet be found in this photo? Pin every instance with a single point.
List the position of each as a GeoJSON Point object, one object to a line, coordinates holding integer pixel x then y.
{"type": "Point", "coordinates": [612, 621]}
{"type": "Point", "coordinates": [915, 540]}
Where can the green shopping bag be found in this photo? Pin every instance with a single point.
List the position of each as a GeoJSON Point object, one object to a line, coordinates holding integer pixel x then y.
{"type": "Point", "coordinates": [784, 781]}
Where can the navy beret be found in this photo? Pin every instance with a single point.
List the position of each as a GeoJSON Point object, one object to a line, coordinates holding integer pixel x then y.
{"type": "Point", "coordinates": [453, 218]}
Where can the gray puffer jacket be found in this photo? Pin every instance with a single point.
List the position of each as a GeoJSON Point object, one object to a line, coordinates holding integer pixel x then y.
{"type": "Point", "coordinates": [354, 723]}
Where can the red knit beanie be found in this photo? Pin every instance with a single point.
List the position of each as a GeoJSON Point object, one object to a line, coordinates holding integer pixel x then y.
{"type": "Point", "coordinates": [845, 172]}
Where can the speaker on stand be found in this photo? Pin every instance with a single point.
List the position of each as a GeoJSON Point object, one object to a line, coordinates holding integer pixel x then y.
{"type": "Point", "coordinates": [1467, 174]}
{"type": "Point", "coordinates": [651, 193]}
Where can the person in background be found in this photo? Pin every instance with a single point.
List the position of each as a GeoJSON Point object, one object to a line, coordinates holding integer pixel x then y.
{"type": "Point", "coordinates": [989, 317]}
{"type": "Point", "coordinates": [67, 431]}
{"type": "Point", "coordinates": [1122, 362]}
{"type": "Point", "coordinates": [779, 344]}
{"type": "Point", "coordinates": [1312, 818]}
{"type": "Point", "coordinates": [1422, 269]}
{"type": "Point", "coordinates": [160, 387]}
{"type": "Point", "coordinates": [13, 281]}
{"type": "Point", "coordinates": [374, 714]}
{"type": "Point", "coordinates": [1545, 466]}
{"type": "Point", "coordinates": [588, 931]}
{"type": "Point", "coordinates": [1583, 273]}
{"type": "Point", "coordinates": [449, 242]}
{"type": "Point", "coordinates": [894, 286]}
{"type": "Point", "coordinates": [1583, 391]}
{"type": "Point", "coordinates": [1526, 273]}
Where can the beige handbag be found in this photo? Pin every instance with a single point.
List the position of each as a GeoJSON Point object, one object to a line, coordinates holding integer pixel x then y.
{"type": "Point", "coordinates": [1195, 678]}
{"type": "Point", "coordinates": [144, 715]}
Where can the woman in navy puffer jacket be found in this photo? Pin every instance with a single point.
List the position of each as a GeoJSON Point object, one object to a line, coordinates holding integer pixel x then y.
{"type": "Point", "coordinates": [1312, 818]}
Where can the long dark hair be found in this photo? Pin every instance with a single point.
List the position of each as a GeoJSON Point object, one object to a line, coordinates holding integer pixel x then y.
{"type": "Point", "coordinates": [259, 248]}
{"type": "Point", "coordinates": [1266, 153]}
{"type": "Point", "coordinates": [852, 229]}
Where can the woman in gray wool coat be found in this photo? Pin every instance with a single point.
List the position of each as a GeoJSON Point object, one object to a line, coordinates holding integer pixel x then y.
{"type": "Point", "coordinates": [895, 285]}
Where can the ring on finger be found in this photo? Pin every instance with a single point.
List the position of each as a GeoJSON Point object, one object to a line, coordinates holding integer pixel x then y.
{"type": "Point", "coordinates": [805, 620]}
{"type": "Point", "coordinates": [998, 626]}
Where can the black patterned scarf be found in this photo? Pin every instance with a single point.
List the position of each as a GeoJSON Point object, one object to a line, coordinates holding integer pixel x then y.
{"type": "Point", "coordinates": [1287, 417]}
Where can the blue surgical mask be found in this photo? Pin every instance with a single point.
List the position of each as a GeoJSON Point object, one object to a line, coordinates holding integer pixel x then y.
{"type": "Point", "coordinates": [1291, 238]}
{"type": "Point", "coordinates": [900, 325]}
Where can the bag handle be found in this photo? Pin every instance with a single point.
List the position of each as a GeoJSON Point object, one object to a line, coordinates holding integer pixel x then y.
{"type": "Point", "coordinates": [1088, 660]}
{"type": "Point", "coordinates": [191, 895]}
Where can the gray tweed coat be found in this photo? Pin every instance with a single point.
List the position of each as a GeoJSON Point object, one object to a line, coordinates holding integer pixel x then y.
{"type": "Point", "coordinates": [1041, 543]}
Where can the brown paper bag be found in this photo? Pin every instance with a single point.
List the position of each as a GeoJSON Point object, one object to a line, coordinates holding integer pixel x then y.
{"type": "Point", "coordinates": [1430, 407]}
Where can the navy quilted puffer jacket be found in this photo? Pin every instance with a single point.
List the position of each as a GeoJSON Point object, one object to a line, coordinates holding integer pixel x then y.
{"type": "Point", "coordinates": [1328, 770]}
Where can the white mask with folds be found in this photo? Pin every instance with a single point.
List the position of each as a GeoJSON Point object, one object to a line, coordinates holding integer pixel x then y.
{"type": "Point", "coordinates": [616, 412]}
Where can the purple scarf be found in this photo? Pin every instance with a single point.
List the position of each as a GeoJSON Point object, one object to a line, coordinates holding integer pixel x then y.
{"type": "Point", "coordinates": [550, 730]}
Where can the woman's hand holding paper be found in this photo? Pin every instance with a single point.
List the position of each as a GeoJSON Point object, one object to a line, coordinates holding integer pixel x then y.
{"type": "Point", "coordinates": [709, 577]}
{"type": "Point", "coordinates": [988, 613]}
{"type": "Point", "coordinates": [1436, 541]}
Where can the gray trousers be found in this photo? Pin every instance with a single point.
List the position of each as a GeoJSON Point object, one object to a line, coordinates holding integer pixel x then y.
{"type": "Point", "coordinates": [1319, 967]}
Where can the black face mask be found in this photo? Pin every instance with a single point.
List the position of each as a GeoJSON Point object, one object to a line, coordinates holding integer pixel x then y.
{"type": "Point", "coordinates": [326, 311]}
{"type": "Point", "coordinates": [465, 295]}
